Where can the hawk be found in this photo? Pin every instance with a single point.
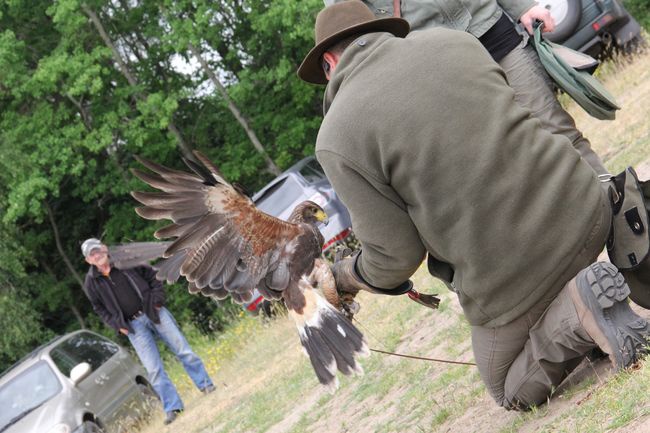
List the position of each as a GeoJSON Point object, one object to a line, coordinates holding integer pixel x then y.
{"type": "Point", "coordinates": [225, 246]}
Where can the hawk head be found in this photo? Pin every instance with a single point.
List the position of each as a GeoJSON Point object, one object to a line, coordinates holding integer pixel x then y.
{"type": "Point", "coordinates": [308, 212]}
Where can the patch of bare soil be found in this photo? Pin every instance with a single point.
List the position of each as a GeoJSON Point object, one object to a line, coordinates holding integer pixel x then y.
{"type": "Point", "coordinates": [483, 415]}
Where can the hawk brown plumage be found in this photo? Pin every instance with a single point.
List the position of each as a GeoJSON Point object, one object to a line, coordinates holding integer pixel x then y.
{"type": "Point", "coordinates": [129, 255]}
{"type": "Point", "coordinates": [223, 245]}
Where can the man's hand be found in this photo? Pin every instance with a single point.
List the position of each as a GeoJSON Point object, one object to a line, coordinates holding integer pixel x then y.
{"type": "Point", "coordinates": [124, 331]}
{"type": "Point", "coordinates": [537, 12]}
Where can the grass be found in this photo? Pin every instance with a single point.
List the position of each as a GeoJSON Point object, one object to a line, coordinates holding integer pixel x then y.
{"type": "Point", "coordinates": [265, 384]}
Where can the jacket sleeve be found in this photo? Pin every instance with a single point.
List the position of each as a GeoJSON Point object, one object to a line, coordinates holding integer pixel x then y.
{"type": "Point", "coordinates": [98, 305]}
{"type": "Point", "coordinates": [516, 8]}
{"type": "Point", "coordinates": [391, 247]}
{"type": "Point", "coordinates": [157, 289]}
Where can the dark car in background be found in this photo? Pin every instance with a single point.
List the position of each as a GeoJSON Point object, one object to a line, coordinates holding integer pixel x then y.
{"type": "Point", "coordinates": [78, 383]}
{"type": "Point", "coordinates": [593, 27]}
{"type": "Point", "coordinates": [305, 180]}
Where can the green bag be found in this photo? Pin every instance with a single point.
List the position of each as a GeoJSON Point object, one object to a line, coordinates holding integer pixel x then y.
{"type": "Point", "coordinates": [569, 70]}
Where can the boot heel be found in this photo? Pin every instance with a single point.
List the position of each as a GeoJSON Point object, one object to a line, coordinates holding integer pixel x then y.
{"type": "Point", "coordinates": [606, 283]}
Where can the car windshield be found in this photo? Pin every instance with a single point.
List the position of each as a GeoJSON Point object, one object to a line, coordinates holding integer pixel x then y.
{"type": "Point", "coordinates": [26, 392]}
{"type": "Point", "coordinates": [280, 196]}
{"type": "Point", "coordinates": [312, 171]}
{"type": "Point", "coordinates": [83, 347]}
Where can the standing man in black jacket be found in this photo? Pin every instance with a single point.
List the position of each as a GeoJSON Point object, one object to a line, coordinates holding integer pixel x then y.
{"type": "Point", "coordinates": [131, 301]}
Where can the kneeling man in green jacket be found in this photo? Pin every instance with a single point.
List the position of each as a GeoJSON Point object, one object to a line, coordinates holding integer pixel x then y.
{"type": "Point", "coordinates": [424, 143]}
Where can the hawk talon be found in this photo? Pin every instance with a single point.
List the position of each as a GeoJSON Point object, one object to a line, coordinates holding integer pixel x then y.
{"type": "Point", "coordinates": [349, 309]}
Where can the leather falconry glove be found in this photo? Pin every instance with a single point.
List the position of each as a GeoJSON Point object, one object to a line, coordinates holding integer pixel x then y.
{"type": "Point", "coordinates": [349, 283]}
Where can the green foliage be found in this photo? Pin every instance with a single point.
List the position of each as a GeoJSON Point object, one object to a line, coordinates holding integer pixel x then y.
{"type": "Point", "coordinates": [71, 123]}
{"type": "Point", "coordinates": [22, 330]}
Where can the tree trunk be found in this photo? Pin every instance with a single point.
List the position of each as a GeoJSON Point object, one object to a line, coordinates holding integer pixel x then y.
{"type": "Point", "coordinates": [184, 147]}
{"type": "Point", "coordinates": [243, 121]}
{"type": "Point", "coordinates": [73, 308]}
{"type": "Point", "coordinates": [77, 315]}
{"type": "Point", "coordinates": [66, 260]}
{"type": "Point", "coordinates": [59, 246]}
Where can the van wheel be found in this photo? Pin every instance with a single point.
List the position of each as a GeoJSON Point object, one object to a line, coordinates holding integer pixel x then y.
{"type": "Point", "coordinates": [91, 427]}
{"type": "Point", "coordinates": [566, 13]}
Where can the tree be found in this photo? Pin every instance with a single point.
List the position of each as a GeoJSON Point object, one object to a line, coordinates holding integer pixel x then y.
{"type": "Point", "coordinates": [71, 120]}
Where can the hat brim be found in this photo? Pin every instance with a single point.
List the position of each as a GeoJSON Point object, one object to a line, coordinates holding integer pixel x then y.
{"type": "Point", "coordinates": [311, 70]}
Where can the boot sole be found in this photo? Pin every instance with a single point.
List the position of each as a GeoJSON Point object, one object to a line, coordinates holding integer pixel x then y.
{"type": "Point", "coordinates": [602, 292]}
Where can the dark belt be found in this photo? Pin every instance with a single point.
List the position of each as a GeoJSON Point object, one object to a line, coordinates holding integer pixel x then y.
{"type": "Point", "coordinates": [136, 315]}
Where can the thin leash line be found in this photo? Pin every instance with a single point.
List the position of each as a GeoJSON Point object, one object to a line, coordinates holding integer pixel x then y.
{"type": "Point", "coordinates": [422, 358]}
{"type": "Point", "coordinates": [367, 331]}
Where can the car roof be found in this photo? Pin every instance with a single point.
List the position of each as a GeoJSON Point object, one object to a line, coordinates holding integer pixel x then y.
{"type": "Point", "coordinates": [294, 170]}
{"type": "Point", "coordinates": [37, 354]}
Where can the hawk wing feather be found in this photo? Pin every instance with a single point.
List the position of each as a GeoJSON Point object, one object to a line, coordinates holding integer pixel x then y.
{"type": "Point", "coordinates": [222, 240]}
{"type": "Point", "coordinates": [225, 246]}
{"type": "Point", "coordinates": [170, 269]}
{"type": "Point", "coordinates": [133, 254]}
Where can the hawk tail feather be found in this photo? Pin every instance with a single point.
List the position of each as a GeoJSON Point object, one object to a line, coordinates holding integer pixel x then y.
{"type": "Point", "coordinates": [332, 343]}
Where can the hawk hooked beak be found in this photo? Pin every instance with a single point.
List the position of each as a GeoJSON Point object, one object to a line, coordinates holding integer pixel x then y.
{"type": "Point", "coordinates": [321, 217]}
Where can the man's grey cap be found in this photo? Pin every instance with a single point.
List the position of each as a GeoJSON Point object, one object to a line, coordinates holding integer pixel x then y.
{"type": "Point", "coordinates": [89, 245]}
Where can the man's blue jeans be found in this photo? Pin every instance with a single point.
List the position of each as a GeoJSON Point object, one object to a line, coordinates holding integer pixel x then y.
{"type": "Point", "coordinates": [144, 342]}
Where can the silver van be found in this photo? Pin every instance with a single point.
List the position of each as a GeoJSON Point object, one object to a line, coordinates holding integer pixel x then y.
{"type": "Point", "coordinates": [78, 383]}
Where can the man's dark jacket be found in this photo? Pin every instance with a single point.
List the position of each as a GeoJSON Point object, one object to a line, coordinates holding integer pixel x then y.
{"type": "Point", "coordinates": [143, 280]}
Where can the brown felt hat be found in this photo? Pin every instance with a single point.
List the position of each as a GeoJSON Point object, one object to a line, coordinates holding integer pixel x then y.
{"type": "Point", "coordinates": [337, 22]}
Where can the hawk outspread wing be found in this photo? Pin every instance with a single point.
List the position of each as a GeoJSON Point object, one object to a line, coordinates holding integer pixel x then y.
{"type": "Point", "coordinates": [223, 245]}
{"type": "Point", "coordinates": [125, 256]}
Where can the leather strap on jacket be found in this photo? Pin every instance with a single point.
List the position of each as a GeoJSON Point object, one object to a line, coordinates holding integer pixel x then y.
{"type": "Point", "coordinates": [397, 8]}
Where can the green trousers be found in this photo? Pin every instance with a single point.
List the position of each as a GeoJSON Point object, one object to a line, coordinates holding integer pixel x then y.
{"type": "Point", "coordinates": [534, 91]}
{"type": "Point", "coordinates": [522, 362]}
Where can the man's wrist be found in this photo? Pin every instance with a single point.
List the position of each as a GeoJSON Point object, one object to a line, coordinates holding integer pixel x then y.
{"type": "Point", "coordinates": [395, 291]}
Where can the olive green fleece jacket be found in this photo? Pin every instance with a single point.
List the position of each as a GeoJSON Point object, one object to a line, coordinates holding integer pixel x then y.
{"type": "Point", "coordinates": [425, 145]}
{"type": "Point", "coordinates": [473, 16]}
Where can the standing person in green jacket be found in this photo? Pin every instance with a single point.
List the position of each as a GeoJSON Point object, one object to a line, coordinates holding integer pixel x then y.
{"type": "Point", "coordinates": [434, 157]}
{"type": "Point", "coordinates": [485, 20]}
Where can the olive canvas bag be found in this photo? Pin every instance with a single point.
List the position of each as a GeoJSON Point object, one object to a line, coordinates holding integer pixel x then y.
{"type": "Point", "coordinates": [570, 70]}
{"type": "Point", "coordinates": [628, 245]}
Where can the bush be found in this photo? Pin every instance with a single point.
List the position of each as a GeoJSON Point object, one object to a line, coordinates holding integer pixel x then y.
{"type": "Point", "coordinates": [21, 328]}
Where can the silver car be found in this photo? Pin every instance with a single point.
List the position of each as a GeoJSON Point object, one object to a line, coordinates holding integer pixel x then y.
{"type": "Point", "coordinates": [305, 180]}
{"type": "Point", "coordinates": [78, 383]}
